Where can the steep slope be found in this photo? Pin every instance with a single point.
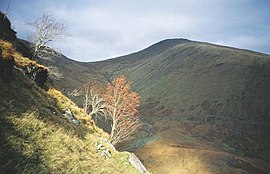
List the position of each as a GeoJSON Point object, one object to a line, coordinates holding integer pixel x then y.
{"type": "Point", "coordinates": [8, 34]}
{"type": "Point", "coordinates": [197, 96]}
{"type": "Point", "coordinates": [65, 71]}
{"type": "Point", "coordinates": [44, 131]}
{"type": "Point", "coordinates": [37, 138]}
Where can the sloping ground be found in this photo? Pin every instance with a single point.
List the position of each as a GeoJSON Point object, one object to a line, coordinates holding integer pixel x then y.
{"type": "Point", "coordinates": [189, 77]}
{"type": "Point", "coordinates": [212, 94]}
{"type": "Point", "coordinates": [193, 147]}
{"type": "Point", "coordinates": [209, 93]}
{"type": "Point", "coordinates": [168, 157]}
{"type": "Point", "coordinates": [69, 75]}
{"type": "Point", "coordinates": [35, 137]}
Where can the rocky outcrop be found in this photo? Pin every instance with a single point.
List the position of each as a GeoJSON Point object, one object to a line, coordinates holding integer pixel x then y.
{"type": "Point", "coordinates": [6, 61]}
{"type": "Point", "coordinates": [8, 34]}
{"type": "Point", "coordinates": [37, 73]}
{"type": "Point", "coordinates": [105, 148]}
{"type": "Point", "coordinates": [69, 115]}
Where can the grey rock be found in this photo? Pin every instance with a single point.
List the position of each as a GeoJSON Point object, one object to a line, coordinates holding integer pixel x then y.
{"type": "Point", "coordinates": [134, 161]}
{"type": "Point", "coordinates": [68, 114]}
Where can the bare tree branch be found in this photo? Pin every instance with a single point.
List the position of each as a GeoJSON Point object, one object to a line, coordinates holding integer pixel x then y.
{"type": "Point", "coordinates": [46, 29]}
{"type": "Point", "coordinates": [93, 103]}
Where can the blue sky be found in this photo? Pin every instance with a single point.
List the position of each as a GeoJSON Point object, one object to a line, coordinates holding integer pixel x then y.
{"type": "Point", "coordinates": [102, 29]}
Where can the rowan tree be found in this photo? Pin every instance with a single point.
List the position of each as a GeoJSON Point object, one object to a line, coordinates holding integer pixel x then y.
{"type": "Point", "coordinates": [122, 106]}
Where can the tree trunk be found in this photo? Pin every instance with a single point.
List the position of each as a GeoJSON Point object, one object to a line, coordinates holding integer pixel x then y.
{"type": "Point", "coordinates": [113, 129]}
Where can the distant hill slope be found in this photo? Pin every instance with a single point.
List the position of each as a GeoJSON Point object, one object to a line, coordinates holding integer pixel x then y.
{"type": "Point", "coordinates": [185, 76]}
{"type": "Point", "coordinates": [65, 71]}
{"type": "Point", "coordinates": [216, 96]}
{"type": "Point", "coordinates": [207, 93]}
{"type": "Point", "coordinates": [192, 77]}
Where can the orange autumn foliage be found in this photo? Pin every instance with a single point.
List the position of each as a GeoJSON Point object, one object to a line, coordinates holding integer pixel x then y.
{"type": "Point", "coordinates": [123, 108]}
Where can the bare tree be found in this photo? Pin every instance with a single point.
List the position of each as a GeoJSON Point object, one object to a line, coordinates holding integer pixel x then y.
{"type": "Point", "coordinates": [8, 9]}
{"type": "Point", "coordinates": [46, 29]}
{"type": "Point", "coordinates": [122, 106]}
{"type": "Point", "coordinates": [93, 103]}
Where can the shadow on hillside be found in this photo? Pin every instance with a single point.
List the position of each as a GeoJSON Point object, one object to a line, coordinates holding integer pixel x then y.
{"type": "Point", "coordinates": [22, 95]}
{"type": "Point", "coordinates": [12, 157]}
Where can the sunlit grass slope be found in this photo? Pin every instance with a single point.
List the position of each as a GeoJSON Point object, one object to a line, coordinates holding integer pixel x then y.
{"type": "Point", "coordinates": [35, 137]}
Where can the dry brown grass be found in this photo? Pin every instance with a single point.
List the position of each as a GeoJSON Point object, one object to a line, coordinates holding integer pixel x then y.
{"type": "Point", "coordinates": [9, 51]}
{"type": "Point", "coordinates": [169, 157]}
{"type": "Point", "coordinates": [63, 103]}
{"type": "Point", "coordinates": [51, 149]}
{"type": "Point", "coordinates": [160, 157]}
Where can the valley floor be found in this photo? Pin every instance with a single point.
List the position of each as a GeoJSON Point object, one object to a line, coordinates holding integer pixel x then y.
{"type": "Point", "coordinates": [168, 157]}
{"type": "Point", "coordinates": [193, 147]}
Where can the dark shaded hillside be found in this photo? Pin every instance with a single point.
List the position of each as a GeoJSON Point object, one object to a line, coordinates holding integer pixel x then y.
{"type": "Point", "coordinates": [65, 72]}
{"type": "Point", "coordinates": [201, 81]}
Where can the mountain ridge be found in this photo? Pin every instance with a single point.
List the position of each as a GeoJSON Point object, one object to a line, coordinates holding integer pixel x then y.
{"type": "Point", "coordinates": [214, 96]}
{"type": "Point", "coordinates": [169, 43]}
{"type": "Point", "coordinates": [194, 94]}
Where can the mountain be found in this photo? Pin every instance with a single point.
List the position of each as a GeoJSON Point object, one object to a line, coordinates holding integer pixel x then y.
{"type": "Point", "coordinates": [200, 96]}
{"type": "Point", "coordinates": [192, 75]}
{"type": "Point", "coordinates": [207, 107]}
{"type": "Point", "coordinates": [41, 130]}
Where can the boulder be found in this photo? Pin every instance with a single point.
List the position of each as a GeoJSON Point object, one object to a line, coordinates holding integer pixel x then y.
{"type": "Point", "coordinates": [68, 114]}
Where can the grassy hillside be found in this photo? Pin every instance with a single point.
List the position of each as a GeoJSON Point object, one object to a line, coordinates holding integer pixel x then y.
{"type": "Point", "coordinates": [35, 137]}
{"type": "Point", "coordinates": [202, 94]}
{"type": "Point", "coordinates": [195, 95]}
{"type": "Point", "coordinates": [189, 75]}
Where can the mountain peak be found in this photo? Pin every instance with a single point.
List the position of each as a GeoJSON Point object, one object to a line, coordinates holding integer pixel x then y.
{"type": "Point", "coordinates": [174, 41]}
{"type": "Point", "coordinates": [167, 43]}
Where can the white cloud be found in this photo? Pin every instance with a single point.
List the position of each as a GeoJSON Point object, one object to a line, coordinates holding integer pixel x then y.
{"type": "Point", "coordinates": [247, 42]}
{"type": "Point", "coordinates": [109, 28]}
